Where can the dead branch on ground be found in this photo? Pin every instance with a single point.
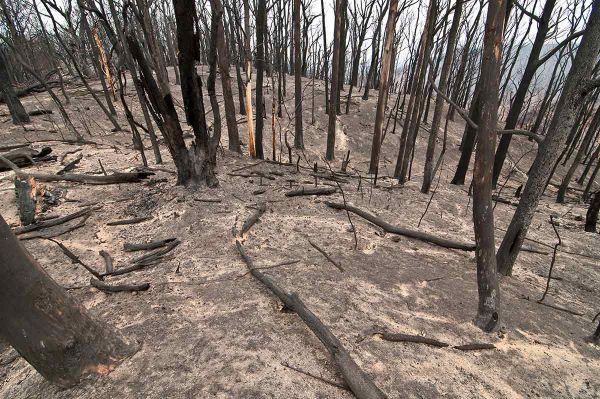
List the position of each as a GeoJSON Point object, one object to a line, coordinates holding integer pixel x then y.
{"type": "Point", "coordinates": [112, 288]}
{"type": "Point", "coordinates": [358, 381]}
{"type": "Point", "coordinates": [333, 262]}
{"type": "Point", "coordinates": [442, 242]}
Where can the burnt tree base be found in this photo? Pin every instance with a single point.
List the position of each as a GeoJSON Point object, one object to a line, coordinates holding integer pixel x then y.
{"type": "Point", "coordinates": [46, 326]}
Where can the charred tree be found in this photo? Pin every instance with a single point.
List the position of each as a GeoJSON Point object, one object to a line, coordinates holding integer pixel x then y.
{"type": "Point", "coordinates": [577, 85]}
{"type": "Point", "coordinates": [46, 326]}
{"type": "Point", "coordinates": [15, 108]}
{"type": "Point", "coordinates": [483, 212]}
{"type": "Point", "coordinates": [298, 137]}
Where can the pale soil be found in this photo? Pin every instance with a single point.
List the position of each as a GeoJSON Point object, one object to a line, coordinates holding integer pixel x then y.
{"type": "Point", "coordinates": [211, 330]}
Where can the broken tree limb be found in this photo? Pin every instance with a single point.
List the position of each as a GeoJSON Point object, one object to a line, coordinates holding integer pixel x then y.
{"type": "Point", "coordinates": [146, 259]}
{"type": "Point", "coordinates": [24, 156]}
{"type": "Point", "coordinates": [55, 232]}
{"type": "Point", "coordinates": [130, 247]}
{"type": "Point", "coordinates": [358, 381]}
{"type": "Point", "coordinates": [474, 347]}
{"type": "Point", "coordinates": [400, 337]}
{"type": "Point", "coordinates": [311, 191]}
{"type": "Point", "coordinates": [129, 221]}
{"type": "Point", "coordinates": [75, 259]}
{"type": "Point", "coordinates": [102, 286]}
{"type": "Point", "coordinates": [262, 208]}
{"type": "Point", "coordinates": [52, 222]}
{"type": "Point", "coordinates": [333, 262]}
{"type": "Point", "coordinates": [442, 242]}
{"type": "Point", "coordinates": [108, 261]}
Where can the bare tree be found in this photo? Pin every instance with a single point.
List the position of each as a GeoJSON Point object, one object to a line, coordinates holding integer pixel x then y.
{"type": "Point", "coordinates": [577, 85]}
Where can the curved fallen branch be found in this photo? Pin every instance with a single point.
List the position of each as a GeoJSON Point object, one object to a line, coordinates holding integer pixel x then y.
{"type": "Point", "coordinates": [399, 337]}
{"type": "Point", "coordinates": [358, 381]}
{"type": "Point", "coordinates": [131, 247]}
{"type": "Point", "coordinates": [419, 235]}
{"type": "Point", "coordinates": [262, 208]}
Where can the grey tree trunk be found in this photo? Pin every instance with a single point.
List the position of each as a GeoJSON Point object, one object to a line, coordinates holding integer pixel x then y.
{"type": "Point", "coordinates": [575, 90]}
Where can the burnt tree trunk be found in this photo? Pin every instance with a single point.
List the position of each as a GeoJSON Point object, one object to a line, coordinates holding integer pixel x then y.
{"type": "Point", "coordinates": [591, 218]}
{"type": "Point", "coordinates": [439, 101]}
{"type": "Point", "coordinates": [16, 109]}
{"type": "Point", "coordinates": [576, 88]}
{"type": "Point", "coordinates": [46, 326]}
{"type": "Point", "coordinates": [298, 137]}
{"type": "Point", "coordinates": [388, 45]}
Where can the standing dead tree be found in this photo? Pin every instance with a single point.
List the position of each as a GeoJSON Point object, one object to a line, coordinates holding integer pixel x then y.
{"type": "Point", "coordinates": [483, 212]}
{"type": "Point", "coordinates": [578, 85]}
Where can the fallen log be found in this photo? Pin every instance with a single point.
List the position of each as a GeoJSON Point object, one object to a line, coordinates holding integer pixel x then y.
{"type": "Point", "coordinates": [115, 178]}
{"type": "Point", "coordinates": [358, 381]}
{"type": "Point", "coordinates": [129, 247]}
{"type": "Point", "coordinates": [25, 156]}
{"type": "Point", "coordinates": [129, 221]}
{"type": "Point", "coordinates": [102, 286]}
{"type": "Point", "coordinates": [442, 242]}
{"type": "Point", "coordinates": [311, 191]}
{"type": "Point", "coordinates": [51, 222]}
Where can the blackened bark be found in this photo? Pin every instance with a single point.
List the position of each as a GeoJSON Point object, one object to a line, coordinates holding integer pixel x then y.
{"type": "Point", "coordinates": [483, 212]}
{"type": "Point", "coordinates": [591, 218]}
{"type": "Point", "coordinates": [16, 109]}
{"type": "Point", "coordinates": [574, 92]}
{"type": "Point", "coordinates": [46, 326]}
{"type": "Point", "coordinates": [298, 137]}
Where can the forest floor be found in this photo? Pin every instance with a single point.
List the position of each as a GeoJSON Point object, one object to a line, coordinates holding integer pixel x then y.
{"type": "Point", "coordinates": [208, 329]}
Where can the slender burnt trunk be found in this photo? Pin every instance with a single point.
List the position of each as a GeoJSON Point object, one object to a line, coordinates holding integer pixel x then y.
{"type": "Point", "coordinates": [591, 218]}
{"type": "Point", "coordinates": [261, 25]}
{"type": "Point", "coordinates": [331, 129]}
{"type": "Point", "coordinates": [533, 63]}
{"type": "Point", "coordinates": [298, 138]}
{"type": "Point", "coordinates": [16, 109]}
{"type": "Point", "coordinates": [388, 44]}
{"type": "Point", "coordinates": [483, 211]}
{"type": "Point", "coordinates": [575, 90]}
{"type": "Point", "coordinates": [439, 101]}
{"type": "Point", "coordinates": [46, 326]}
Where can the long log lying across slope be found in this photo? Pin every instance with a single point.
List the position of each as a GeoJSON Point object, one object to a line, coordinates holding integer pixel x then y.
{"type": "Point", "coordinates": [115, 178]}
{"type": "Point", "coordinates": [419, 235]}
{"type": "Point", "coordinates": [358, 381]}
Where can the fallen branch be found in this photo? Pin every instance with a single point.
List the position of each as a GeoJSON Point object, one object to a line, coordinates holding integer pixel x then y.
{"type": "Point", "coordinates": [213, 200]}
{"type": "Point", "coordinates": [102, 286]}
{"type": "Point", "coordinates": [442, 242]}
{"type": "Point", "coordinates": [399, 337]}
{"type": "Point", "coordinates": [129, 247]}
{"type": "Point", "coordinates": [558, 244]}
{"type": "Point", "coordinates": [146, 260]}
{"type": "Point", "coordinates": [262, 208]}
{"type": "Point", "coordinates": [474, 347]}
{"type": "Point", "coordinates": [311, 191]}
{"type": "Point", "coordinates": [129, 221]}
{"type": "Point", "coordinates": [326, 381]}
{"type": "Point", "coordinates": [52, 222]}
{"type": "Point", "coordinates": [333, 262]}
{"type": "Point", "coordinates": [75, 259]}
{"type": "Point", "coordinates": [555, 307]}
{"type": "Point", "coordinates": [56, 232]}
{"type": "Point", "coordinates": [358, 381]}
{"type": "Point", "coordinates": [71, 165]}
